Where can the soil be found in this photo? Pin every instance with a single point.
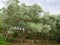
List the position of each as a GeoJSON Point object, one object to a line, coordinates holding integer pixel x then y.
{"type": "Point", "coordinates": [31, 42]}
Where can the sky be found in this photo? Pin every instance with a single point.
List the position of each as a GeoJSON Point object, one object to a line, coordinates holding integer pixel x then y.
{"type": "Point", "coordinates": [52, 6]}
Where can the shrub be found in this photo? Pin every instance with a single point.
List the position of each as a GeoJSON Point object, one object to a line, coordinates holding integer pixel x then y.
{"type": "Point", "coordinates": [10, 39]}
{"type": "Point", "coordinates": [15, 34]}
{"type": "Point", "coordinates": [2, 38]}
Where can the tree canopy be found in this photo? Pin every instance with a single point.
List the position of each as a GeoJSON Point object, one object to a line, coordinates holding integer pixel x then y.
{"type": "Point", "coordinates": [29, 18]}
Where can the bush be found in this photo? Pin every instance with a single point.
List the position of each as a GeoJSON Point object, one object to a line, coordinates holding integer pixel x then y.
{"type": "Point", "coordinates": [2, 38]}
{"type": "Point", "coordinates": [10, 39]}
{"type": "Point", "coordinates": [29, 36]}
{"type": "Point", "coordinates": [15, 34]}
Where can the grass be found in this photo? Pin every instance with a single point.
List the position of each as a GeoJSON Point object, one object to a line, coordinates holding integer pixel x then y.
{"type": "Point", "coordinates": [3, 42]}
